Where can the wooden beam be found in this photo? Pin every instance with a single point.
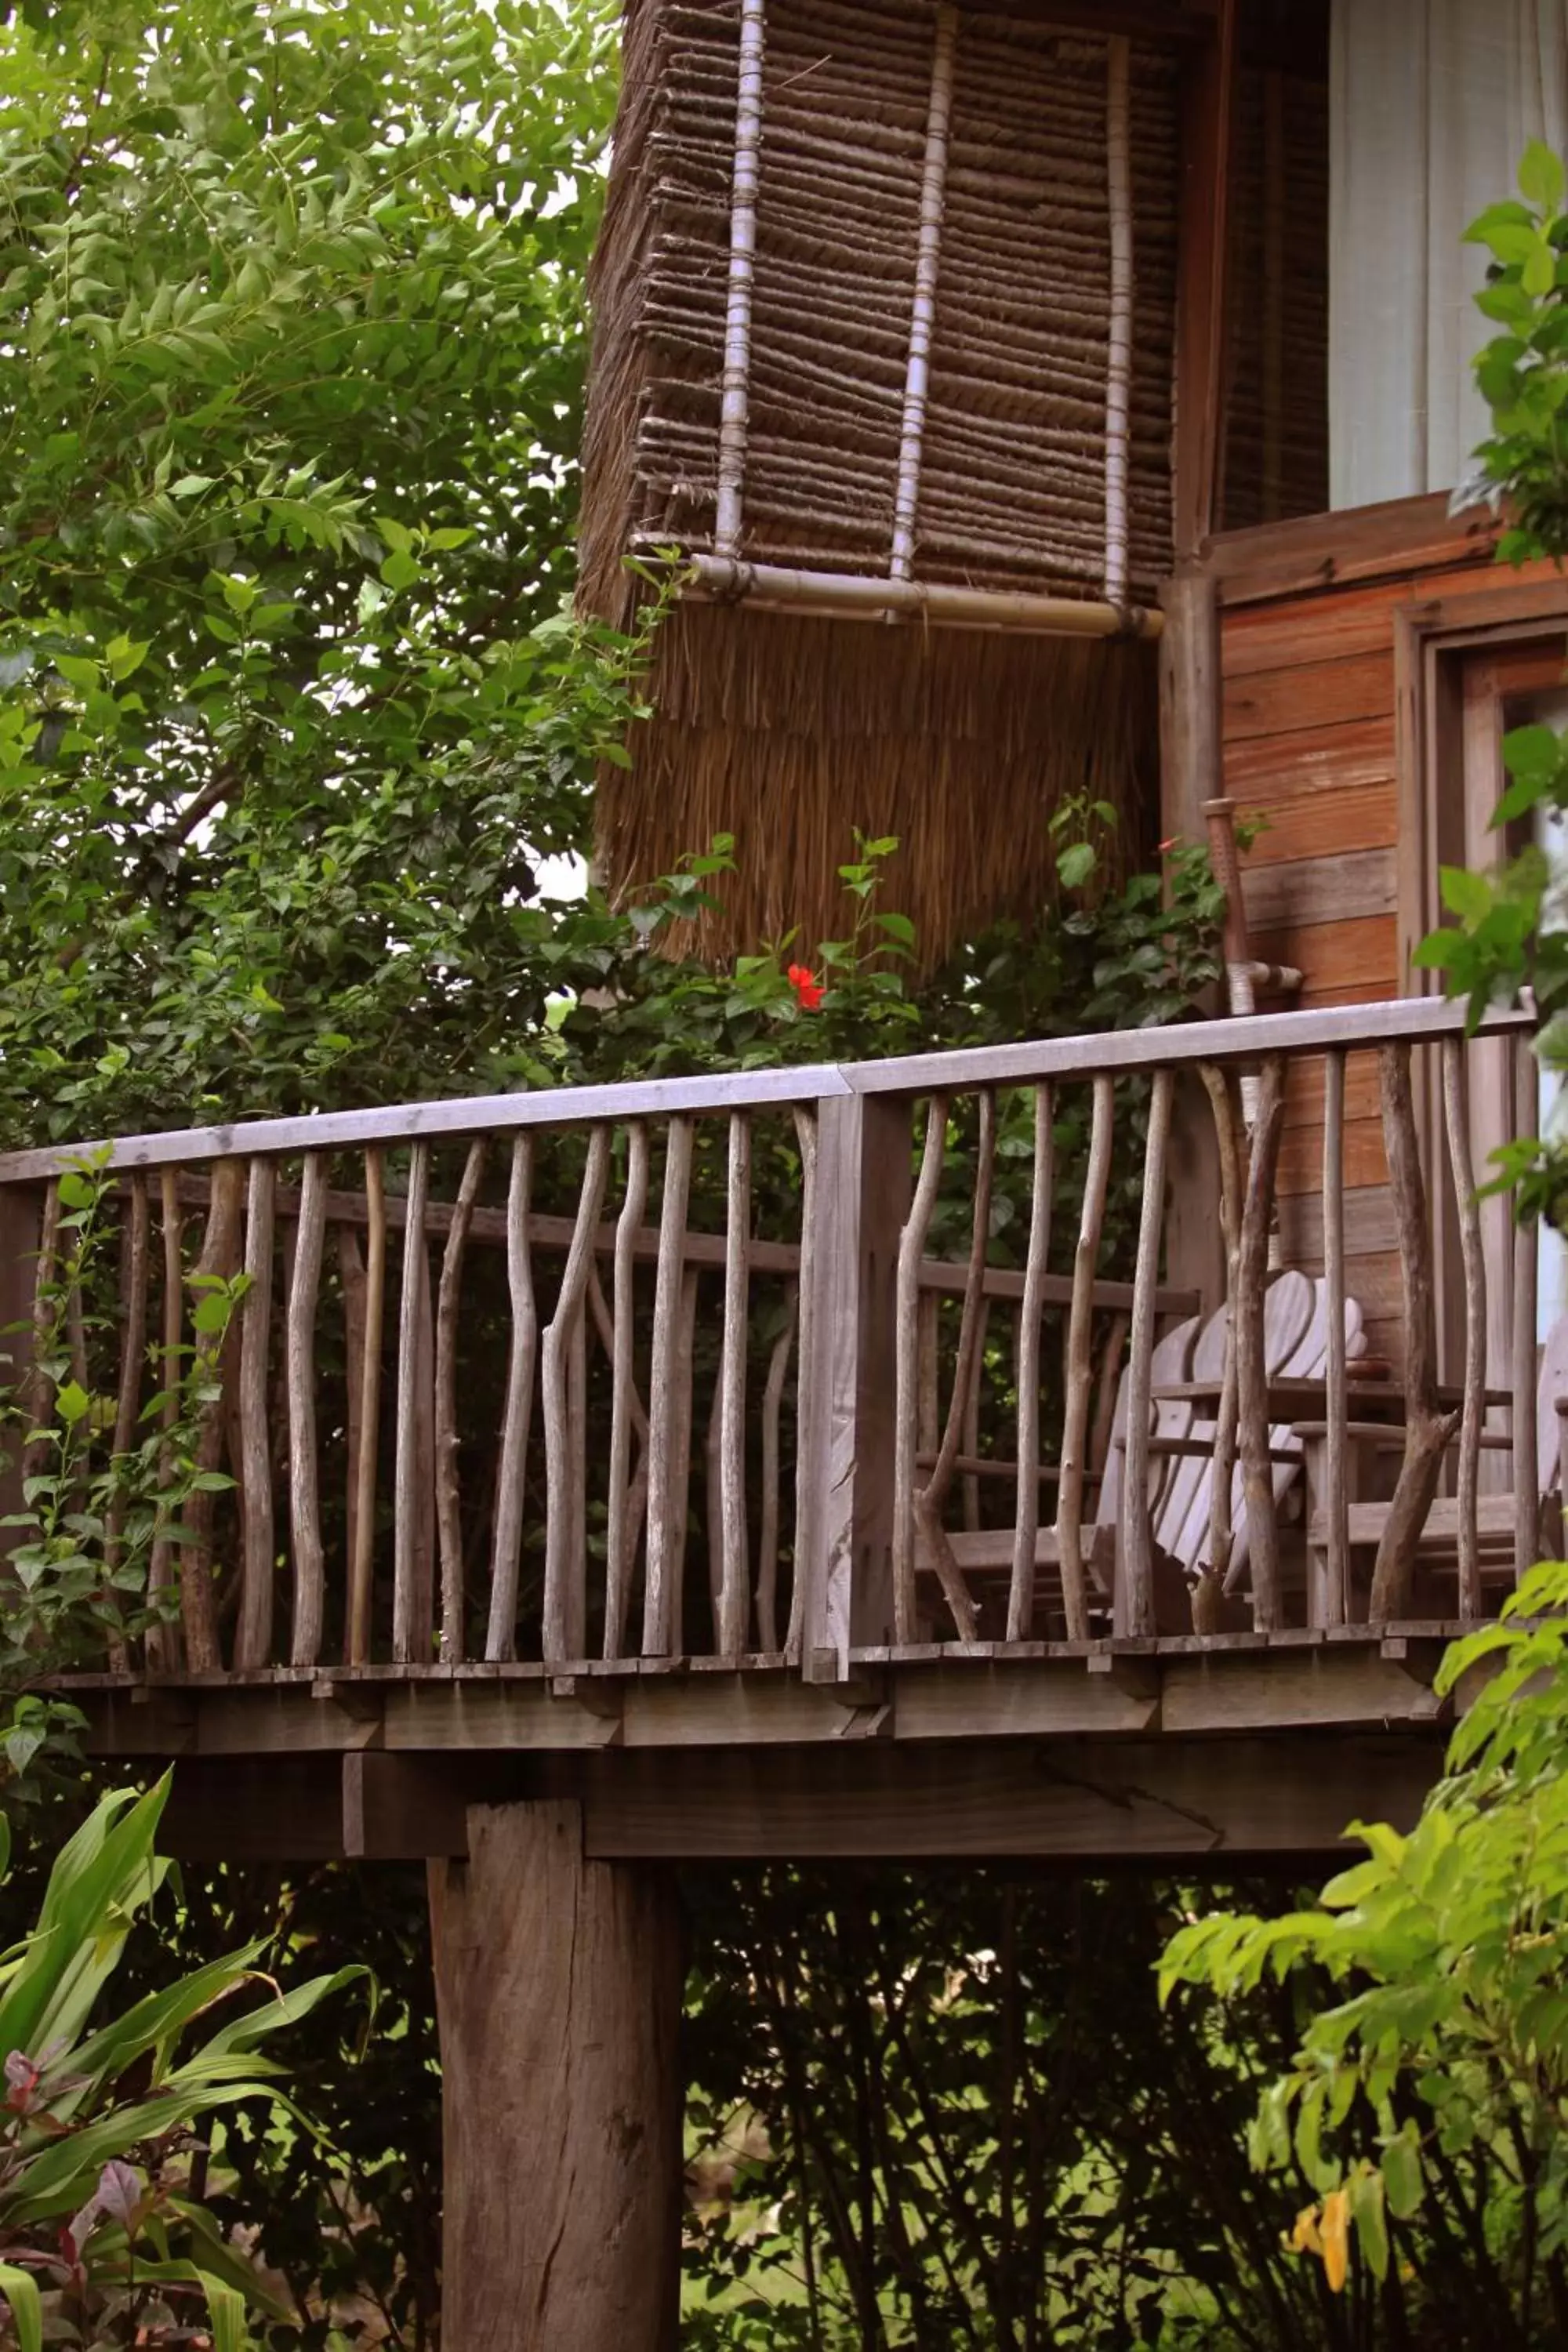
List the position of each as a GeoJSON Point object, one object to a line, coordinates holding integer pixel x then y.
{"type": "Point", "coordinates": [1208, 139]}
{"type": "Point", "coordinates": [1137, 1801]}
{"type": "Point", "coordinates": [1190, 772]}
{"type": "Point", "coordinates": [558, 1984]}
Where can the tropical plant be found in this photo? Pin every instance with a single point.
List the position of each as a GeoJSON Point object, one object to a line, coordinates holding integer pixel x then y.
{"type": "Point", "coordinates": [102, 2239]}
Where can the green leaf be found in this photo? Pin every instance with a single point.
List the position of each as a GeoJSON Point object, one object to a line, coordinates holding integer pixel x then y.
{"type": "Point", "coordinates": [211, 1314]}
{"type": "Point", "coordinates": [1077, 864]}
{"type": "Point", "coordinates": [21, 2292]}
{"type": "Point", "coordinates": [1540, 178]}
{"type": "Point", "coordinates": [72, 1404]}
{"type": "Point", "coordinates": [1470, 896]}
{"type": "Point", "coordinates": [226, 2309]}
{"type": "Point", "coordinates": [1402, 2174]}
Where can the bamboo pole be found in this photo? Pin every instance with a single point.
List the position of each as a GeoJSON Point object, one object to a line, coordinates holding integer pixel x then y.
{"type": "Point", "coordinates": [448, 1497]}
{"type": "Point", "coordinates": [1118, 368]}
{"type": "Point", "coordinates": [299, 1360]}
{"type": "Point", "coordinates": [565, 1562]}
{"type": "Point", "coordinates": [1138, 1549]}
{"type": "Point", "coordinates": [911, 1249]}
{"type": "Point", "coordinates": [1456, 1116]}
{"type": "Point", "coordinates": [506, 1555]}
{"type": "Point", "coordinates": [725, 580]}
{"type": "Point", "coordinates": [735, 396]}
{"type": "Point", "coordinates": [928, 262]}
{"type": "Point", "coordinates": [1026, 1519]}
{"type": "Point", "coordinates": [1079, 1364]}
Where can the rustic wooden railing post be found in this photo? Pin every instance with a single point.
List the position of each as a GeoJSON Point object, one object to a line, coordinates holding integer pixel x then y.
{"type": "Point", "coordinates": [21, 1219]}
{"type": "Point", "coordinates": [848, 1380]}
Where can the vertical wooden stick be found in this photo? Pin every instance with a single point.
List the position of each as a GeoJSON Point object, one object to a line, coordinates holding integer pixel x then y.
{"type": "Point", "coordinates": [620, 1538]}
{"type": "Point", "coordinates": [221, 1253]}
{"type": "Point", "coordinates": [1207, 1591]}
{"type": "Point", "coordinates": [164, 1639]}
{"type": "Point", "coordinates": [1081, 1365]}
{"type": "Point", "coordinates": [970, 1483]}
{"type": "Point", "coordinates": [1525, 1353]}
{"type": "Point", "coordinates": [253, 1635]}
{"type": "Point", "coordinates": [772, 1410]}
{"type": "Point", "coordinates": [412, 1404]}
{"type": "Point", "coordinates": [735, 395]}
{"type": "Point", "coordinates": [362, 1568]}
{"type": "Point", "coordinates": [506, 1557]}
{"type": "Point", "coordinates": [684, 1405]}
{"type": "Point", "coordinates": [923, 321]}
{"type": "Point", "coordinates": [806, 1137]}
{"type": "Point", "coordinates": [1336, 1597]}
{"type": "Point", "coordinates": [1119, 370]}
{"type": "Point", "coordinates": [1138, 1600]}
{"type": "Point", "coordinates": [448, 1495]}
{"type": "Point", "coordinates": [735, 1596]}
{"type": "Point", "coordinates": [133, 1271]}
{"type": "Point", "coordinates": [566, 1562]}
{"type": "Point", "coordinates": [1251, 1357]}
{"type": "Point", "coordinates": [1428, 1430]}
{"type": "Point", "coordinates": [1456, 1116]}
{"type": "Point", "coordinates": [930, 1497]}
{"type": "Point", "coordinates": [304, 1474]}
{"type": "Point", "coordinates": [40, 1394]}
{"type": "Point", "coordinates": [666, 1492]}
{"type": "Point", "coordinates": [1026, 1513]}
{"type": "Point", "coordinates": [911, 1249]}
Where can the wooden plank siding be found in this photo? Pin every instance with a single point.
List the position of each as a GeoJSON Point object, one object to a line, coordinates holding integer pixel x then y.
{"type": "Point", "coordinates": [1309, 746]}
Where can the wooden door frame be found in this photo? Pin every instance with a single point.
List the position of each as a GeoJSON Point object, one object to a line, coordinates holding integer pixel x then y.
{"type": "Point", "coordinates": [1435, 640]}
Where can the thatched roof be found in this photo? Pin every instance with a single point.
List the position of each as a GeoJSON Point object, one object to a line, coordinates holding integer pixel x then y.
{"type": "Point", "coordinates": [789, 730]}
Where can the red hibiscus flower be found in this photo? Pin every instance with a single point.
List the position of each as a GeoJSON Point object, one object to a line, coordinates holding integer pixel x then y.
{"type": "Point", "coordinates": [808, 990]}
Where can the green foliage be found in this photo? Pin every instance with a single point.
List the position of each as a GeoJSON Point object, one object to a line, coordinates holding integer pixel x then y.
{"type": "Point", "coordinates": [1446, 2036]}
{"type": "Point", "coordinates": [103, 2241]}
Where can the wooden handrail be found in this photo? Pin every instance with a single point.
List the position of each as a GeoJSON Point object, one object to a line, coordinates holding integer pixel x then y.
{"type": "Point", "coordinates": [1123, 1052]}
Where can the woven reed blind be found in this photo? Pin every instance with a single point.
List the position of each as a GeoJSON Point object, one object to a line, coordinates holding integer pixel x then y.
{"type": "Point", "coordinates": [1012, 480]}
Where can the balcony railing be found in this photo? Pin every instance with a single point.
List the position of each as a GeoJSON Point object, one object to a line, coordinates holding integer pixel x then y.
{"type": "Point", "coordinates": [743, 1368]}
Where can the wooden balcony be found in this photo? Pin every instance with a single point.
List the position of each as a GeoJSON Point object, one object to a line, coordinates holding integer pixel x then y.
{"type": "Point", "coordinates": [658, 1445]}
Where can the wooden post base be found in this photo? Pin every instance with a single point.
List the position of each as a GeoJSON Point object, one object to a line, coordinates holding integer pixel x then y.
{"type": "Point", "coordinates": [558, 1987]}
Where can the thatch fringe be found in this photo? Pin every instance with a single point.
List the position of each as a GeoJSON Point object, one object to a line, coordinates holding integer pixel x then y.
{"type": "Point", "coordinates": [788, 731]}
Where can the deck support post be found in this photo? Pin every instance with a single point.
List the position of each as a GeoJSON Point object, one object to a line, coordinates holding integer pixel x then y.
{"type": "Point", "coordinates": [558, 1984]}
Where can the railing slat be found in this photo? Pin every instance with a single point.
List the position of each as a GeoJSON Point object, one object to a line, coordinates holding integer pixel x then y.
{"type": "Point", "coordinates": [1209, 1590]}
{"type": "Point", "coordinates": [40, 1394]}
{"type": "Point", "coordinates": [413, 1406]}
{"type": "Point", "coordinates": [1026, 1515]}
{"type": "Point", "coordinates": [625, 1409]}
{"type": "Point", "coordinates": [565, 1554]}
{"type": "Point", "coordinates": [1456, 1120]}
{"type": "Point", "coordinates": [906, 1437]}
{"type": "Point", "coordinates": [773, 1416]}
{"type": "Point", "coordinates": [1138, 1552]}
{"type": "Point", "coordinates": [1428, 1431]}
{"type": "Point", "coordinates": [735, 1594]}
{"type": "Point", "coordinates": [930, 1498]}
{"type": "Point", "coordinates": [221, 1253]}
{"type": "Point", "coordinates": [680, 1471]}
{"type": "Point", "coordinates": [666, 1497]}
{"type": "Point", "coordinates": [1080, 1364]}
{"type": "Point", "coordinates": [1525, 1352]}
{"type": "Point", "coordinates": [1336, 1594]}
{"type": "Point", "coordinates": [506, 1555]}
{"type": "Point", "coordinates": [253, 1635]}
{"type": "Point", "coordinates": [362, 1567]}
{"type": "Point", "coordinates": [805, 1130]}
{"type": "Point", "coordinates": [1251, 1355]}
{"type": "Point", "coordinates": [449, 1494]}
{"type": "Point", "coordinates": [304, 1475]}
{"type": "Point", "coordinates": [135, 1253]}
{"type": "Point", "coordinates": [163, 1643]}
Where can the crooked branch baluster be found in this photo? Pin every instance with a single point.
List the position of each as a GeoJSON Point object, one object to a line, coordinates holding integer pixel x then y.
{"type": "Point", "coordinates": [930, 1497]}
{"type": "Point", "coordinates": [135, 1253]}
{"type": "Point", "coordinates": [1334, 1600]}
{"type": "Point", "coordinates": [773, 1416]}
{"type": "Point", "coordinates": [735, 1595]}
{"type": "Point", "coordinates": [220, 1260]}
{"type": "Point", "coordinates": [363, 1566]}
{"type": "Point", "coordinates": [669, 1403]}
{"type": "Point", "coordinates": [1137, 1596]}
{"type": "Point", "coordinates": [1081, 1365]}
{"type": "Point", "coordinates": [1428, 1430]}
{"type": "Point", "coordinates": [565, 1549]}
{"type": "Point", "coordinates": [1251, 1355]}
{"type": "Point", "coordinates": [253, 1637]}
{"type": "Point", "coordinates": [627, 1415]}
{"type": "Point", "coordinates": [506, 1555]}
{"type": "Point", "coordinates": [1026, 1519]}
{"type": "Point", "coordinates": [911, 1250]}
{"type": "Point", "coordinates": [806, 1137]}
{"type": "Point", "coordinates": [1526, 1269]}
{"type": "Point", "coordinates": [449, 1494]}
{"type": "Point", "coordinates": [1210, 1588]}
{"type": "Point", "coordinates": [410, 1634]}
{"type": "Point", "coordinates": [299, 1357]}
{"type": "Point", "coordinates": [1455, 1120]}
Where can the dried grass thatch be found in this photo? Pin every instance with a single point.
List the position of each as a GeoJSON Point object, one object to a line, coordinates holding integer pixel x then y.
{"type": "Point", "coordinates": [788, 732]}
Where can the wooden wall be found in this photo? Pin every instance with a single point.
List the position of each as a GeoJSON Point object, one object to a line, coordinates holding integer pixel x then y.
{"type": "Point", "coordinates": [1310, 742]}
